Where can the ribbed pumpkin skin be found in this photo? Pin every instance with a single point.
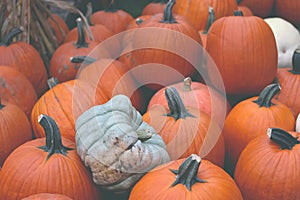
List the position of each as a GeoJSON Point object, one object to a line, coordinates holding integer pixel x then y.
{"type": "Point", "coordinates": [64, 106]}
{"type": "Point", "coordinates": [156, 184]}
{"type": "Point", "coordinates": [187, 136]}
{"type": "Point", "coordinates": [26, 172]}
{"type": "Point", "coordinates": [154, 8]}
{"type": "Point", "coordinates": [15, 129]}
{"type": "Point", "coordinates": [289, 10]}
{"type": "Point", "coordinates": [244, 51]}
{"type": "Point", "coordinates": [27, 60]}
{"type": "Point", "coordinates": [58, 34]}
{"type": "Point", "coordinates": [17, 89]}
{"type": "Point", "coordinates": [290, 89]}
{"type": "Point", "coordinates": [259, 8]}
{"type": "Point", "coordinates": [47, 196]}
{"type": "Point", "coordinates": [196, 11]}
{"type": "Point", "coordinates": [264, 171]}
{"type": "Point", "coordinates": [247, 120]}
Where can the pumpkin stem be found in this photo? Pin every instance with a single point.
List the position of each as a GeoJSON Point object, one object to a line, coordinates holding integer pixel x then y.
{"type": "Point", "coordinates": [82, 59]}
{"type": "Point", "coordinates": [238, 13]}
{"type": "Point", "coordinates": [187, 172]}
{"type": "Point", "coordinates": [187, 84]}
{"type": "Point", "coordinates": [296, 62]}
{"type": "Point", "coordinates": [1, 105]}
{"type": "Point", "coordinates": [138, 21]}
{"type": "Point", "coordinates": [53, 138]}
{"type": "Point", "coordinates": [52, 82]}
{"type": "Point", "coordinates": [111, 7]}
{"type": "Point", "coordinates": [175, 104]}
{"type": "Point", "coordinates": [238, 1]}
{"type": "Point", "coordinates": [81, 42]}
{"type": "Point", "coordinates": [282, 138]}
{"type": "Point", "coordinates": [144, 134]}
{"type": "Point", "coordinates": [168, 13]}
{"type": "Point", "coordinates": [266, 96]}
{"type": "Point", "coordinates": [10, 35]}
{"type": "Point", "coordinates": [211, 19]}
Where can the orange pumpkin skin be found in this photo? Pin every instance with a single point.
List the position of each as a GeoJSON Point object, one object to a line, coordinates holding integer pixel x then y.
{"type": "Point", "coordinates": [15, 88]}
{"type": "Point", "coordinates": [187, 134]}
{"type": "Point", "coordinates": [64, 103]}
{"type": "Point", "coordinates": [196, 11]}
{"type": "Point", "coordinates": [288, 10]}
{"type": "Point", "coordinates": [245, 65]}
{"type": "Point", "coordinates": [247, 120]}
{"type": "Point", "coordinates": [156, 184]}
{"type": "Point", "coordinates": [115, 20]}
{"type": "Point", "coordinates": [58, 33]}
{"type": "Point", "coordinates": [154, 8]}
{"type": "Point", "coordinates": [33, 173]}
{"type": "Point", "coordinates": [245, 10]}
{"type": "Point", "coordinates": [264, 171]}
{"type": "Point", "coordinates": [259, 8]}
{"type": "Point", "coordinates": [47, 196]}
{"type": "Point", "coordinates": [25, 58]}
{"type": "Point", "coordinates": [15, 129]}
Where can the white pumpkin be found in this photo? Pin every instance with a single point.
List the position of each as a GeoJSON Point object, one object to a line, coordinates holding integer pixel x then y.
{"type": "Point", "coordinates": [298, 123]}
{"type": "Point", "coordinates": [287, 39]}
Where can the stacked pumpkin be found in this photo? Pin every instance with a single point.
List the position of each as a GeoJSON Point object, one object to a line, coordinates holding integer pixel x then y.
{"type": "Point", "coordinates": [138, 108]}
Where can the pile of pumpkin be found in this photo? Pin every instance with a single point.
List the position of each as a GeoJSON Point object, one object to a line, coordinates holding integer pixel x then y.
{"type": "Point", "coordinates": [222, 127]}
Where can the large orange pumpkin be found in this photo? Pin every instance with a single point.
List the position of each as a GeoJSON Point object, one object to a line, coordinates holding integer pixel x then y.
{"type": "Point", "coordinates": [46, 165]}
{"type": "Point", "coordinates": [186, 179]}
{"type": "Point", "coordinates": [25, 58]}
{"type": "Point", "coordinates": [251, 118]}
{"type": "Point", "coordinates": [15, 129]}
{"type": "Point", "coordinates": [196, 10]}
{"type": "Point", "coordinates": [268, 168]}
{"type": "Point", "coordinates": [186, 130]}
{"type": "Point", "coordinates": [244, 50]}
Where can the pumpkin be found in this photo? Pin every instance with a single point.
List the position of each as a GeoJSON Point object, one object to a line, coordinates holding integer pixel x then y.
{"type": "Point", "coordinates": [59, 27]}
{"type": "Point", "coordinates": [15, 129]}
{"type": "Point", "coordinates": [210, 21]}
{"type": "Point", "coordinates": [60, 65]}
{"type": "Point", "coordinates": [108, 77]}
{"type": "Point", "coordinates": [46, 165]}
{"type": "Point", "coordinates": [254, 63]}
{"type": "Point", "coordinates": [115, 143]}
{"type": "Point", "coordinates": [196, 11]}
{"type": "Point", "coordinates": [198, 95]}
{"type": "Point", "coordinates": [245, 10]}
{"type": "Point", "coordinates": [289, 79]}
{"type": "Point", "coordinates": [25, 58]}
{"type": "Point", "coordinates": [186, 130]}
{"type": "Point", "coordinates": [47, 196]}
{"type": "Point", "coordinates": [154, 7]}
{"type": "Point", "coordinates": [116, 20]}
{"type": "Point", "coordinates": [64, 102]}
{"type": "Point", "coordinates": [266, 164]}
{"type": "Point", "coordinates": [188, 178]}
{"type": "Point", "coordinates": [157, 60]}
{"type": "Point", "coordinates": [288, 10]}
{"type": "Point", "coordinates": [287, 40]}
{"type": "Point", "coordinates": [17, 89]}
{"type": "Point", "coordinates": [259, 8]}
{"type": "Point", "coordinates": [251, 118]}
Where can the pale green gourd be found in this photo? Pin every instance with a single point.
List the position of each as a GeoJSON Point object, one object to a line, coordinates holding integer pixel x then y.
{"type": "Point", "coordinates": [117, 145]}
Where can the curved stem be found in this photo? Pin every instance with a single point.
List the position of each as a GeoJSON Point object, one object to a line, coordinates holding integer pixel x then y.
{"type": "Point", "coordinates": [187, 172]}
{"type": "Point", "coordinates": [238, 13]}
{"type": "Point", "coordinates": [168, 13]}
{"type": "Point", "coordinates": [82, 59]}
{"type": "Point", "coordinates": [176, 106]}
{"type": "Point", "coordinates": [138, 21]}
{"type": "Point", "coordinates": [187, 84]}
{"type": "Point", "coordinates": [81, 42]}
{"type": "Point", "coordinates": [111, 7]}
{"type": "Point", "coordinates": [53, 138]}
{"type": "Point", "coordinates": [211, 19]}
{"type": "Point", "coordinates": [9, 36]}
{"type": "Point", "coordinates": [296, 62]}
{"type": "Point", "coordinates": [266, 96]}
{"type": "Point", "coordinates": [282, 138]}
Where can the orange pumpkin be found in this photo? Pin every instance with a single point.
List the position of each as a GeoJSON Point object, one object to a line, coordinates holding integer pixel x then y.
{"type": "Point", "coordinates": [289, 10]}
{"type": "Point", "coordinates": [46, 165]}
{"type": "Point", "coordinates": [47, 196]}
{"type": "Point", "coordinates": [245, 10]}
{"type": "Point", "coordinates": [15, 129]}
{"type": "Point", "coordinates": [154, 7]}
{"type": "Point", "coordinates": [259, 8]}
{"type": "Point", "coordinates": [59, 27]}
{"type": "Point", "coordinates": [191, 178]}
{"type": "Point", "coordinates": [186, 130]}
{"type": "Point", "coordinates": [268, 167]}
{"type": "Point", "coordinates": [251, 118]}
